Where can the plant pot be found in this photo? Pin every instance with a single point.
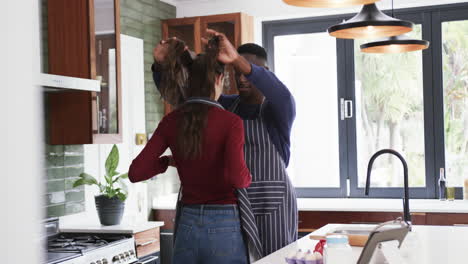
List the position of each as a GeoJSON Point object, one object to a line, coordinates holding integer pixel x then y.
{"type": "Point", "coordinates": [110, 210]}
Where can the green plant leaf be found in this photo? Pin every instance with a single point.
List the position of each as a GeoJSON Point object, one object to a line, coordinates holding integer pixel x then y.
{"type": "Point", "coordinates": [123, 176]}
{"type": "Point", "coordinates": [122, 196]}
{"type": "Point", "coordinates": [85, 179]}
{"type": "Point", "coordinates": [108, 179]}
{"type": "Point", "coordinates": [112, 161]}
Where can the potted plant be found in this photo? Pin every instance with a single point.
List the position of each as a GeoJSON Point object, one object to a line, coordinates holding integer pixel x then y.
{"type": "Point", "coordinates": [110, 203]}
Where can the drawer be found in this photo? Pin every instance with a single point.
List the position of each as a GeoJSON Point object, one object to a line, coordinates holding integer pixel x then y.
{"type": "Point", "coordinates": [310, 220]}
{"type": "Point", "coordinates": [147, 242]}
{"type": "Point", "coordinates": [166, 216]}
{"type": "Point", "coordinates": [447, 219]}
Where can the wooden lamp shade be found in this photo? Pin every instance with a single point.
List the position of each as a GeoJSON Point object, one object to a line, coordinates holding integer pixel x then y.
{"type": "Point", "coordinates": [370, 23]}
{"type": "Point", "coordinates": [328, 3]}
{"type": "Point", "coordinates": [396, 44]}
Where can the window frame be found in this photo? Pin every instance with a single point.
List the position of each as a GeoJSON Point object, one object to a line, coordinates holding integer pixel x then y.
{"type": "Point", "coordinates": [431, 19]}
{"type": "Point", "coordinates": [306, 26]}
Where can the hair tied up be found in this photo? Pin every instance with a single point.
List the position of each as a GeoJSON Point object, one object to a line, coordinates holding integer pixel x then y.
{"type": "Point", "coordinates": [174, 80]}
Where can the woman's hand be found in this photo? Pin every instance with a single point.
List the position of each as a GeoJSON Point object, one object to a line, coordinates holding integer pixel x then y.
{"type": "Point", "coordinates": [171, 161]}
{"type": "Point", "coordinates": [162, 49]}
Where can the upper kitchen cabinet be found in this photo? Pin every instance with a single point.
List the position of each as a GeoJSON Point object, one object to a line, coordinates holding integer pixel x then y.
{"type": "Point", "coordinates": [84, 42]}
{"type": "Point", "coordinates": [237, 27]}
{"type": "Point", "coordinates": [187, 29]}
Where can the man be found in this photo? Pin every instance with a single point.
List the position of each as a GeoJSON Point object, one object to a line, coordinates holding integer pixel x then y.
{"type": "Point", "coordinates": [268, 208]}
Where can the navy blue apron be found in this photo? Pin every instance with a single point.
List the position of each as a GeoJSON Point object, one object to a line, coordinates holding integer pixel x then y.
{"type": "Point", "coordinates": [268, 207]}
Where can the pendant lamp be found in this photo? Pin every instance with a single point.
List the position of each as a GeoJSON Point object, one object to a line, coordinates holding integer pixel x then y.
{"type": "Point", "coordinates": [370, 23]}
{"type": "Point", "coordinates": [396, 44]}
{"type": "Point", "coordinates": [328, 3]}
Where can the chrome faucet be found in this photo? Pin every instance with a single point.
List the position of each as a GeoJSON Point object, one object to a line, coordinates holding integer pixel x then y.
{"type": "Point", "coordinates": [406, 211]}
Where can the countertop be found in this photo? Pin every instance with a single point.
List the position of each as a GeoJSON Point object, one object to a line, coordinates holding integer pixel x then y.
{"type": "Point", "coordinates": [168, 202]}
{"type": "Point", "coordinates": [122, 228]}
{"type": "Point", "coordinates": [425, 244]}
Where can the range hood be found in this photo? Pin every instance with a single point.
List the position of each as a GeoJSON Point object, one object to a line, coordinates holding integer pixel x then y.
{"type": "Point", "coordinates": [53, 82]}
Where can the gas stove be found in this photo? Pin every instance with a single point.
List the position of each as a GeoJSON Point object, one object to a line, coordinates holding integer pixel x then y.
{"type": "Point", "coordinates": [72, 248]}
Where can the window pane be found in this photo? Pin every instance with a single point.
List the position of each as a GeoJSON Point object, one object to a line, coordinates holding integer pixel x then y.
{"type": "Point", "coordinates": [455, 74]}
{"type": "Point", "coordinates": [311, 75]}
{"type": "Point", "coordinates": [390, 114]}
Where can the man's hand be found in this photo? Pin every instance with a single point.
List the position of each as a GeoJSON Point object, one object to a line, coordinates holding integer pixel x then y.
{"type": "Point", "coordinates": [227, 53]}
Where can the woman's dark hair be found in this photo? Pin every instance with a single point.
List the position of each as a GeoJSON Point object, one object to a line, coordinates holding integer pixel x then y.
{"type": "Point", "coordinates": [174, 80]}
{"type": "Point", "coordinates": [202, 74]}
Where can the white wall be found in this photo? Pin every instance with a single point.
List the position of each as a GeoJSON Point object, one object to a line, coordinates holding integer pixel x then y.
{"type": "Point", "coordinates": [265, 10]}
{"type": "Point", "coordinates": [21, 152]}
{"type": "Point", "coordinates": [133, 118]}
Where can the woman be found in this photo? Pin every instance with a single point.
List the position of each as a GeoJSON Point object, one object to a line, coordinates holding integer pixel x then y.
{"type": "Point", "coordinates": [207, 146]}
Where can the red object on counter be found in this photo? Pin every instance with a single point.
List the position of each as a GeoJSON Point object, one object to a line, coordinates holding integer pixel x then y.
{"type": "Point", "coordinates": [320, 245]}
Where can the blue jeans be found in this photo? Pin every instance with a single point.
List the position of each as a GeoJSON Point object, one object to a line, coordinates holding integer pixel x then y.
{"type": "Point", "coordinates": [209, 234]}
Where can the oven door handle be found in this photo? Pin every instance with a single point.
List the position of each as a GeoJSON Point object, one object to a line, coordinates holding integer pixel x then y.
{"type": "Point", "coordinates": [147, 260]}
{"type": "Point", "coordinates": [147, 243]}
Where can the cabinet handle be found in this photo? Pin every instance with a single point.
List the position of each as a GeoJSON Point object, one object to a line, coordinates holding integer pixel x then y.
{"type": "Point", "coordinates": [147, 260]}
{"type": "Point", "coordinates": [147, 243]}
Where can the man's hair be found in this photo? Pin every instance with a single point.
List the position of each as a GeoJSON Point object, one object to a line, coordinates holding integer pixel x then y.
{"type": "Point", "coordinates": [254, 49]}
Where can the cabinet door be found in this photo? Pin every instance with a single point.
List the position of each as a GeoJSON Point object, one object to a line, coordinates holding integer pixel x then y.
{"type": "Point", "coordinates": [229, 24]}
{"type": "Point", "coordinates": [106, 105]}
{"type": "Point", "coordinates": [238, 29]}
{"type": "Point", "coordinates": [84, 42]}
{"type": "Point", "coordinates": [186, 29]}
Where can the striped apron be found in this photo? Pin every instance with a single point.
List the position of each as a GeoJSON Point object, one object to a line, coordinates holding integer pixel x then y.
{"type": "Point", "coordinates": [268, 207]}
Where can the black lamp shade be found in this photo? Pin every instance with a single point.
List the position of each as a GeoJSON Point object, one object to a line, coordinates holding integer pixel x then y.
{"type": "Point", "coordinates": [370, 23]}
{"type": "Point", "coordinates": [396, 44]}
{"type": "Point", "coordinates": [328, 3]}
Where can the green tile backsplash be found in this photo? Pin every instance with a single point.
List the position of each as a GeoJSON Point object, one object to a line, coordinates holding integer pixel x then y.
{"type": "Point", "coordinates": [141, 19]}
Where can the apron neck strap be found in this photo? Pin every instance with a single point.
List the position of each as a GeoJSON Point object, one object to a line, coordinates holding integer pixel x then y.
{"type": "Point", "coordinates": [203, 100]}
{"type": "Point", "coordinates": [234, 106]}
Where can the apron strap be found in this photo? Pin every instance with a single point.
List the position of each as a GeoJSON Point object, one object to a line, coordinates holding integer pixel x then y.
{"type": "Point", "coordinates": [203, 100]}
{"type": "Point", "coordinates": [234, 106]}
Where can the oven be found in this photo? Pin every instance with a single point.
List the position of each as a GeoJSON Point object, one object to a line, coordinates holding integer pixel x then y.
{"type": "Point", "coordinates": [154, 258]}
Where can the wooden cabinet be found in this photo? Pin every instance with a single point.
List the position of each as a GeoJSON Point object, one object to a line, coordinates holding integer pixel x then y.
{"type": "Point", "coordinates": [311, 220]}
{"type": "Point", "coordinates": [147, 242]}
{"type": "Point", "coordinates": [186, 29]}
{"type": "Point", "coordinates": [447, 219]}
{"type": "Point", "coordinates": [166, 216]}
{"type": "Point", "coordinates": [238, 27]}
{"type": "Point", "coordinates": [84, 42]}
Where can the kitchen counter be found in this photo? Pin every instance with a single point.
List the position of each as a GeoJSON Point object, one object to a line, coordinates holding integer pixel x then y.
{"type": "Point", "coordinates": [122, 228]}
{"type": "Point", "coordinates": [425, 244]}
{"type": "Point", "coordinates": [168, 202]}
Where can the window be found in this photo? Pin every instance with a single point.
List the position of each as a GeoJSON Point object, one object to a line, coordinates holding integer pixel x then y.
{"type": "Point", "coordinates": [304, 71]}
{"type": "Point", "coordinates": [455, 82]}
{"type": "Point", "coordinates": [390, 114]}
{"type": "Point", "coordinates": [415, 103]}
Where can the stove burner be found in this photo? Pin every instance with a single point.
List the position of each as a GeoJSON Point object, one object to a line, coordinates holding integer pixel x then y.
{"type": "Point", "coordinates": [75, 244]}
